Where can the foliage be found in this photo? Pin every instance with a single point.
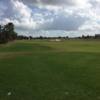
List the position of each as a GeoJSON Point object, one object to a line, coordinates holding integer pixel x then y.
{"type": "Point", "coordinates": [7, 33]}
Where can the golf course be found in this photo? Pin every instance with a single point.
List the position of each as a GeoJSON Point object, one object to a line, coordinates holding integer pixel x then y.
{"type": "Point", "coordinates": [50, 70]}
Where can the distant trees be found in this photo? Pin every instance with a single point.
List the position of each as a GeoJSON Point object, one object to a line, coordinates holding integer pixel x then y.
{"type": "Point", "coordinates": [7, 33]}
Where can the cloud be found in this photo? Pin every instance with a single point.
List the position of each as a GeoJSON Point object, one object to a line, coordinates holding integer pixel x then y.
{"type": "Point", "coordinates": [62, 22]}
{"type": "Point", "coordinates": [19, 14]}
{"type": "Point", "coordinates": [2, 8]}
{"type": "Point", "coordinates": [67, 15]}
{"type": "Point", "coordinates": [58, 2]}
{"type": "Point", "coordinates": [24, 18]}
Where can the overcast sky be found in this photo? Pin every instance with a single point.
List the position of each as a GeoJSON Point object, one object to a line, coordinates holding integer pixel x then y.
{"type": "Point", "coordinates": [52, 17]}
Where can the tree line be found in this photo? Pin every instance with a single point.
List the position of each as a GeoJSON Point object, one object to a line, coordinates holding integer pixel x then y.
{"type": "Point", "coordinates": [7, 33]}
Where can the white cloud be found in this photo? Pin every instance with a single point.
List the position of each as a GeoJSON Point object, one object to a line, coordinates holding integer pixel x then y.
{"type": "Point", "coordinates": [20, 9]}
{"type": "Point", "coordinates": [29, 15]}
{"type": "Point", "coordinates": [21, 16]}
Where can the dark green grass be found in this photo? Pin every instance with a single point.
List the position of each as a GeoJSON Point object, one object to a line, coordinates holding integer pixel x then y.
{"type": "Point", "coordinates": [23, 47]}
{"type": "Point", "coordinates": [50, 71]}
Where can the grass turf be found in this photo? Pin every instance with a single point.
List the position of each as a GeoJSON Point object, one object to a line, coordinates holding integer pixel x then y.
{"type": "Point", "coordinates": [43, 70]}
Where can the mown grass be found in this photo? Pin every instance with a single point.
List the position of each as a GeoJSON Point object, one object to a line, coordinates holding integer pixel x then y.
{"type": "Point", "coordinates": [43, 70]}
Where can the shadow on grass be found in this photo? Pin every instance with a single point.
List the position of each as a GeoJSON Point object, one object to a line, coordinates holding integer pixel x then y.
{"type": "Point", "coordinates": [24, 47]}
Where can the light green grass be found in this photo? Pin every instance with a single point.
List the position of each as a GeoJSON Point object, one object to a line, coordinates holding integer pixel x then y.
{"type": "Point", "coordinates": [43, 70]}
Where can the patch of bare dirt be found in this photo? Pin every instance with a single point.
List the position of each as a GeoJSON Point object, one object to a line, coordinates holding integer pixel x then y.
{"type": "Point", "coordinates": [7, 55]}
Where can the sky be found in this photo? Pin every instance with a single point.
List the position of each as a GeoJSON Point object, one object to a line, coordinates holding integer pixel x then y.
{"type": "Point", "coordinates": [52, 17]}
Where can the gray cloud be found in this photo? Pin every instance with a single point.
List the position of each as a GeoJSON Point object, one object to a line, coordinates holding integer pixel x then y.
{"type": "Point", "coordinates": [62, 22]}
{"type": "Point", "coordinates": [56, 2]}
{"type": "Point", "coordinates": [74, 15]}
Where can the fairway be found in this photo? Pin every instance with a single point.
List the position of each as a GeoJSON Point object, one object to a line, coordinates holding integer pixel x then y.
{"type": "Point", "coordinates": [44, 70]}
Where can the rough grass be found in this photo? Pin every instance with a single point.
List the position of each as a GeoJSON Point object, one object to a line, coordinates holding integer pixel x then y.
{"type": "Point", "coordinates": [42, 70]}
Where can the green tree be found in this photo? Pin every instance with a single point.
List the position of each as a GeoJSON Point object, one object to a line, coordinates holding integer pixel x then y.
{"type": "Point", "coordinates": [9, 30]}
{"type": "Point", "coordinates": [7, 33]}
{"type": "Point", "coordinates": [0, 28]}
